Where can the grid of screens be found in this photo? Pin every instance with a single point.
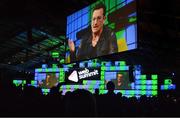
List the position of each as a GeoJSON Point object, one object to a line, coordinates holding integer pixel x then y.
{"type": "Point", "coordinates": [120, 18]}
{"type": "Point", "coordinates": [168, 85]}
{"type": "Point", "coordinates": [107, 71]}
{"type": "Point", "coordinates": [19, 82]}
{"type": "Point", "coordinates": [142, 84]}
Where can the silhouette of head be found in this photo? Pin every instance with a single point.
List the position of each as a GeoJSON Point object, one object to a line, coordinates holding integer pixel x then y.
{"type": "Point", "coordinates": [119, 94]}
{"type": "Point", "coordinates": [80, 103]}
{"type": "Point", "coordinates": [97, 91]}
{"type": "Point", "coordinates": [110, 86]}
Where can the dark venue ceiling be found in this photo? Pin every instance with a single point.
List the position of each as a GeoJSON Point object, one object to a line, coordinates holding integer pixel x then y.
{"type": "Point", "coordinates": [30, 29]}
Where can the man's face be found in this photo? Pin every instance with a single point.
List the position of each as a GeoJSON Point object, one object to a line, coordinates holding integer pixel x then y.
{"type": "Point", "coordinates": [48, 76]}
{"type": "Point", "coordinates": [98, 20]}
{"type": "Point", "coordinates": [119, 77]}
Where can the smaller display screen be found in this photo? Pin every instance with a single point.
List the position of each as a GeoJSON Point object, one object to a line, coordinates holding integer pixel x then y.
{"type": "Point", "coordinates": [47, 80]}
{"type": "Point", "coordinates": [120, 79]}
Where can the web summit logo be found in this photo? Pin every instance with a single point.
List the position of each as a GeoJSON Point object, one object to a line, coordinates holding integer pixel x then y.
{"type": "Point", "coordinates": [73, 77]}
{"type": "Point", "coordinates": [82, 74]}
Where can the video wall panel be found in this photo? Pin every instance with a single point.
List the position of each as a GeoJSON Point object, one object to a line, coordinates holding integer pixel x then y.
{"type": "Point", "coordinates": [120, 19]}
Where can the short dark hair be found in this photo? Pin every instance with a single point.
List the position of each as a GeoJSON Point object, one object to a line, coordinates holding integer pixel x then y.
{"type": "Point", "coordinates": [99, 6]}
{"type": "Point", "coordinates": [110, 86]}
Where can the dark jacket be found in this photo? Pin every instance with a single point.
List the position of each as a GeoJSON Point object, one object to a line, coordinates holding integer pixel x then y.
{"type": "Point", "coordinates": [123, 86]}
{"type": "Point", "coordinates": [107, 44]}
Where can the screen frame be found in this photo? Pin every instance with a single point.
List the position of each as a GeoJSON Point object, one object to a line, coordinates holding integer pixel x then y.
{"type": "Point", "coordinates": [117, 71]}
{"type": "Point", "coordinates": [116, 53]}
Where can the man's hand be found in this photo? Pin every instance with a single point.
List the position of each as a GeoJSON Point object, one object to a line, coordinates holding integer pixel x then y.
{"type": "Point", "coordinates": [71, 45]}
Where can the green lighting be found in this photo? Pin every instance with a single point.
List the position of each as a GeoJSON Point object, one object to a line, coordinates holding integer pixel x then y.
{"type": "Point", "coordinates": [120, 34]}
{"type": "Point", "coordinates": [154, 82]}
{"type": "Point", "coordinates": [85, 81]}
{"type": "Point", "coordinates": [103, 63]}
{"type": "Point", "coordinates": [166, 87]}
{"type": "Point", "coordinates": [102, 77]}
{"type": "Point", "coordinates": [120, 1]}
{"type": "Point", "coordinates": [143, 92]}
{"type": "Point", "coordinates": [94, 64]}
{"type": "Point", "coordinates": [55, 53]}
{"type": "Point", "coordinates": [61, 61]}
{"type": "Point", "coordinates": [61, 69]}
{"type": "Point", "coordinates": [14, 81]}
{"type": "Point", "coordinates": [93, 82]}
{"type": "Point", "coordinates": [107, 5]}
{"type": "Point", "coordinates": [102, 72]}
{"type": "Point", "coordinates": [24, 82]}
{"type": "Point", "coordinates": [143, 81]}
{"type": "Point", "coordinates": [68, 87]}
{"type": "Point", "coordinates": [132, 19]}
{"type": "Point", "coordinates": [132, 92]}
{"type": "Point", "coordinates": [103, 68]}
{"type": "Point", "coordinates": [46, 90]}
{"type": "Point", "coordinates": [39, 69]}
{"type": "Point", "coordinates": [45, 93]}
{"type": "Point", "coordinates": [143, 87]}
{"type": "Point", "coordinates": [154, 87]}
{"type": "Point", "coordinates": [54, 69]}
{"type": "Point", "coordinates": [112, 3]}
{"type": "Point", "coordinates": [76, 86]}
{"type": "Point", "coordinates": [62, 76]}
{"type": "Point", "coordinates": [61, 79]}
{"type": "Point", "coordinates": [154, 93]}
{"type": "Point", "coordinates": [101, 87]}
{"type": "Point", "coordinates": [167, 81]}
{"type": "Point", "coordinates": [122, 63]}
{"type": "Point", "coordinates": [102, 82]}
{"type": "Point", "coordinates": [47, 70]}
{"type": "Point", "coordinates": [61, 88]}
{"type": "Point", "coordinates": [154, 77]}
{"type": "Point", "coordinates": [130, 95]}
{"type": "Point", "coordinates": [122, 67]}
{"type": "Point", "coordinates": [122, 91]}
{"type": "Point", "coordinates": [112, 25]}
{"type": "Point", "coordinates": [54, 66]}
{"type": "Point", "coordinates": [142, 76]}
{"type": "Point", "coordinates": [32, 82]}
{"type": "Point", "coordinates": [112, 67]}
{"type": "Point", "coordinates": [91, 90]}
{"type": "Point", "coordinates": [62, 37]}
{"type": "Point", "coordinates": [102, 91]}
{"type": "Point", "coordinates": [91, 86]}
{"type": "Point", "coordinates": [61, 73]}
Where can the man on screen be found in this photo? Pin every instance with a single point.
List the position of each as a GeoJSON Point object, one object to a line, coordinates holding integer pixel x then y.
{"type": "Point", "coordinates": [97, 40]}
{"type": "Point", "coordinates": [120, 82]}
{"type": "Point", "coordinates": [49, 82]}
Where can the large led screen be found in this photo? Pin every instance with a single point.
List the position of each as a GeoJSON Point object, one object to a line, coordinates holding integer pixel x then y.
{"type": "Point", "coordinates": [103, 28]}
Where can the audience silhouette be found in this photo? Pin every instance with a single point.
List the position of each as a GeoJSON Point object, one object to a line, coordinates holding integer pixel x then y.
{"type": "Point", "coordinates": [80, 103]}
{"type": "Point", "coordinates": [30, 101]}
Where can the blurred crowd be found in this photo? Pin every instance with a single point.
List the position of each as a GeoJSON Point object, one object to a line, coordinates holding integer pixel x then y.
{"type": "Point", "coordinates": [31, 102]}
